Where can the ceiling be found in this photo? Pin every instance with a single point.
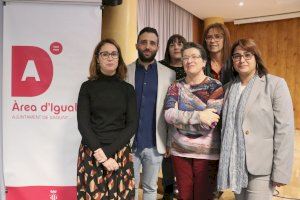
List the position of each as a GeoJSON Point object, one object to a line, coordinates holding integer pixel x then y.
{"type": "Point", "coordinates": [230, 9]}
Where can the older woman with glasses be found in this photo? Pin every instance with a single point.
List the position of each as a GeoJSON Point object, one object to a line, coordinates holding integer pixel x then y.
{"type": "Point", "coordinates": [192, 107]}
{"type": "Point", "coordinates": [257, 128]}
{"type": "Point", "coordinates": [107, 119]}
{"type": "Point", "coordinates": [216, 42]}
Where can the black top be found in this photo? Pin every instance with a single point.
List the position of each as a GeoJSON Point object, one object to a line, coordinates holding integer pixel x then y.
{"type": "Point", "coordinates": [180, 73]}
{"type": "Point", "coordinates": [226, 74]}
{"type": "Point", "coordinates": [106, 114]}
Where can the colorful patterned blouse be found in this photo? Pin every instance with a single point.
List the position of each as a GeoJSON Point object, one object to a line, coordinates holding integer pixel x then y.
{"type": "Point", "coordinates": [189, 137]}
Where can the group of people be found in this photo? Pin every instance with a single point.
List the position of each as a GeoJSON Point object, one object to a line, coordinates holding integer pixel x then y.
{"type": "Point", "coordinates": [210, 115]}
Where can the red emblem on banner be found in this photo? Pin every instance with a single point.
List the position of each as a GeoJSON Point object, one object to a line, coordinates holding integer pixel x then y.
{"type": "Point", "coordinates": [56, 48]}
{"type": "Point", "coordinates": [32, 71]}
{"type": "Point", "coordinates": [41, 193]}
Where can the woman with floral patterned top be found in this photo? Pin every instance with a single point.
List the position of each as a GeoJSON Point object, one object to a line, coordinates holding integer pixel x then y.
{"type": "Point", "coordinates": [192, 107]}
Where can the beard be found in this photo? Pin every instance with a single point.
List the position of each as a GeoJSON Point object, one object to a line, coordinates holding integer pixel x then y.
{"type": "Point", "coordinates": [145, 59]}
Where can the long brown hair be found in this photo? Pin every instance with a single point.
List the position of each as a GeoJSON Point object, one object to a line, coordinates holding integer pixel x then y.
{"type": "Point", "coordinates": [95, 67]}
{"type": "Point", "coordinates": [226, 36]}
{"type": "Point", "coordinates": [250, 46]}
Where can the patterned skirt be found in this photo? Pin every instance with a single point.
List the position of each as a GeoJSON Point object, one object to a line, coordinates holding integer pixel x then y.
{"type": "Point", "coordinates": [94, 182]}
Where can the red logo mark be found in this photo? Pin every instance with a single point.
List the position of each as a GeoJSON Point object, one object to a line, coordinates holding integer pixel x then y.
{"type": "Point", "coordinates": [32, 71]}
{"type": "Point", "coordinates": [56, 48]}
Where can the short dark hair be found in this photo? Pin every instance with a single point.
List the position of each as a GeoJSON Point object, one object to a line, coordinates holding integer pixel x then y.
{"type": "Point", "coordinates": [171, 40]}
{"type": "Point", "coordinates": [200, 48]}
{"type": "Point", "coordinates": [250, 46]}
{"type": "Point", "coordinates": [148, 30]}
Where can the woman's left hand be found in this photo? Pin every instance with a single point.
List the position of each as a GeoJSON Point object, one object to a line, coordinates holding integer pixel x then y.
{"type": "Point", "coordinates": [111, 164]}
{"type": "Point", "coordinates": [100, 155]}
{"type": "Point", "coordinates": [168, 153]}
{"type": "Point", "coordinates": [275, 184]}
{"type": "Point", "coordinates": [209, 117]}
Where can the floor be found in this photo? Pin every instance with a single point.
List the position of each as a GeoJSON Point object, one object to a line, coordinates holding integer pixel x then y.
{"type": "Point", "coordinates": [291, 191]}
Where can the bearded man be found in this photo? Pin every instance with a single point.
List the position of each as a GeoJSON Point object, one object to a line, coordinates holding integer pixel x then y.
{"type": "Point", "coordinates": [151, 81]}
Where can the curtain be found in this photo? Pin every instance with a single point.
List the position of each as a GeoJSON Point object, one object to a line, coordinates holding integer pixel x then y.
{"type": "Point", "coordinates": [167, 18]}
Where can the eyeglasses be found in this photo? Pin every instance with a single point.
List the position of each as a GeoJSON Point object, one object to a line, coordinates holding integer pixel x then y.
{"type": "Point", "coordinates": [193, 57]}
{"type": "Point", "coordinates": [217, 37]}
{"type": "Point", "coordinates": [237, 57]}
{"type": "Point", "coordinates": [105, 55]}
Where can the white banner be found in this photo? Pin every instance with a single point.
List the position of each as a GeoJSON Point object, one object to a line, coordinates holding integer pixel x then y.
{"type": "Point", "coordinates": [47, 51]}
{"type": "Point", "coordinates": [2, 188]}
{"type": "Point", "coordinates": [90, 2]}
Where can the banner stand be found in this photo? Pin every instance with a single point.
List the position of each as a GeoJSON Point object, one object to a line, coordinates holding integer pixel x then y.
{"type": "Point", "coordinates": [47, 49]}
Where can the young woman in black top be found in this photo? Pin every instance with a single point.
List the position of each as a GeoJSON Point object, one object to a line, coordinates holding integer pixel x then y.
{"type": "Point", "coordinates": [107, 119]}
{"type": "Point", "coordinates": [172, 57]}
{"type": "Point", "coordinates": [172, 60]}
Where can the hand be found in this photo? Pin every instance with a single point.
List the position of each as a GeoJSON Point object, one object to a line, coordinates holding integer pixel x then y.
{"type": "Point", "coordinates": [209, 117]}
{"type": "Point", "coordinates": [168, 153]}
{"type": "Point", "coordinates": [176, 105]}
{"type": "Point", "coordinates": [110, 164]}
{"type": "Point", "coordinates": [100, 155]}
{"type": "Point", "coordinates": [131, 157]}
{"type": "Point", "coordinates": [275, 184]}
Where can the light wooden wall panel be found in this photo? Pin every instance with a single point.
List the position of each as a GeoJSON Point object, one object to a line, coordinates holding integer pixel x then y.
{"type": "Point", "coordinates": [279, 42]}
{"type": "Point", "coordinates": [197, 30]}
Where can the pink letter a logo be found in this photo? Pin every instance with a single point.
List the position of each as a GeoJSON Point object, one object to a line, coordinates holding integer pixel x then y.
{"type": "Point", "coordinates": [32, 71]}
